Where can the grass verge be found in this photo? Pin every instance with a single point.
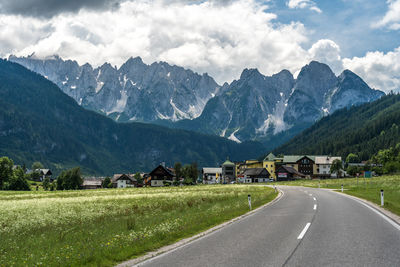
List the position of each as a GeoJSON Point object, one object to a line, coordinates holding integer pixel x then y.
{"type": "Point", "coordinates": [103, 227]}
{"type": "Point", "coordinates": [366, 188]}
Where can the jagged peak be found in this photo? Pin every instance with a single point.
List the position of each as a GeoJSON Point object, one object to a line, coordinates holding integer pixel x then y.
{"type": "Point", "coordinates": [246, 73]}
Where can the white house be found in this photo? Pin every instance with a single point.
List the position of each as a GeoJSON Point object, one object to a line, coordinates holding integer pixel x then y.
{"type": "Point", "coordinates": [211, 175]}
{"type": "Point", "coordinates": [324, 164]}
{"type": "Point", "coordinates": [123, 181]}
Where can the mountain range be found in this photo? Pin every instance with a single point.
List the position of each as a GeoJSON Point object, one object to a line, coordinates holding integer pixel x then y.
{"type": "Point", "coordinates": [269, 109]}
{"type": "Point", "coordinates": [38, 122]}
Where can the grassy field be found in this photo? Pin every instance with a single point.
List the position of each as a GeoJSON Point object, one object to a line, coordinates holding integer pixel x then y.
{"type": "Point", "coordinates": [366, 188]}
{"type": "Point", "coordinates": [103, 227]}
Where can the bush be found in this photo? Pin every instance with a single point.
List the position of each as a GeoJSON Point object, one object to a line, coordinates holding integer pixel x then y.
{"type": "Point", "coordinates": [18, 181]}
{"type": "Point", "coordinates": [167, 183]}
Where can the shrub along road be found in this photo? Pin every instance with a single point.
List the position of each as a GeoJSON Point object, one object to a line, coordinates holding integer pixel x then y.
{"type": "Point", "coordinates": [306, 227]}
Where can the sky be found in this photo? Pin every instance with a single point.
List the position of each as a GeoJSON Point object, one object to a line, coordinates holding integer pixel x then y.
{"type": "Point", "coordinates": [220, 37]}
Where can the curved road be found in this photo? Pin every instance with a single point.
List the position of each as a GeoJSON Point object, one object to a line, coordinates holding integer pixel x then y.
{"type": "Point", "coordinates": [306, 227]}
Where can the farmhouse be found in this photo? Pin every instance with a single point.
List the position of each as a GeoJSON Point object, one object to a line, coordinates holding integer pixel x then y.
{"type": "Point", "coordinates": [323, 166]}
{"type": "Point", "coordinates": [160, 175]}
{"type": "Point", "coordinates": [286, 173]}
{"type": "Point", "coordinates": [257, 175]}
{"type": "Point", "coordinates": [92, 184]}
{"type": "Point", "coordinates": [44, 173]}
{"type": "Point", "coordinates": [123, 181]}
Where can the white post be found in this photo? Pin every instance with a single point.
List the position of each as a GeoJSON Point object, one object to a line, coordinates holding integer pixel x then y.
{"type": "Point", "coordinates": [342, 188]}
{"type": "Point", "coordinates": [382, 199]}
{"type": "Point", "coordinates": [275, 188]}
{"type": "Point", "coordinates": [249, 198]}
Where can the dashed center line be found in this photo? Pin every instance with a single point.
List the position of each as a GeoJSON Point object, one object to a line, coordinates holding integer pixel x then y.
{"type": "Point", "coordinates": [304, 231]}
{"type": "Point", "coordinates": [310, 195]}
{"type": "Point", "coordinates": [315, 199]}
{"type": "Point", "coordinates": [315, 206]}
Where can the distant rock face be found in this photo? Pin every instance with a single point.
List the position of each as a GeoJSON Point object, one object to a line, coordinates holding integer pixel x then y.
{"type": "Point", "coordinates": [251, 108]}
{"type": "Point", "coordinates": [257, 106]}
{"type": "Point", "coordinates": [135, 91]}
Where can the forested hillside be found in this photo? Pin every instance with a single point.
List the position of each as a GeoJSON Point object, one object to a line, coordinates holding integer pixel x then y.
{"type": "Point", "coordinates": [363, 130]}
{"type": "Point", "coordinates": [38, 122]}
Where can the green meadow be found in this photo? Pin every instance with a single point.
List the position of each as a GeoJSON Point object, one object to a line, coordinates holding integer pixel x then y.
{"type": "Point", "coordinates": [366, 188]}
{"type": "Point", "coordinates": [104, 227]}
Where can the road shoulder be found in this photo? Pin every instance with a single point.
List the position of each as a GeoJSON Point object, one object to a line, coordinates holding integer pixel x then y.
{"type": "Point", "coordinates": [189, 240]}
{"type": "Point", "coordinates": [394, 217]}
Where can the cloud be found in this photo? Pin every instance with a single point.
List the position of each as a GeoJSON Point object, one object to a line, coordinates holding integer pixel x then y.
{"type": "Point", "coordinates": [301, 4]}
{"type": "Point", "coordinates": [221, 39]}
{"type": "Point", "coordinates": [49, 8]}
{"type": "Point", "coordinates": [207, 36]}
{"type": "Point", "coordinates": [328, 52]}
{"type": "Point", "coordinates": [392, 16]}
{"type": "Point", "coordinates": [380, 70]}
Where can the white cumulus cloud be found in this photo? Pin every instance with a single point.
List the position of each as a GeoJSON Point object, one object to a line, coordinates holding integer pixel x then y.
{"type": "Point", "coordinates": [328, 52]}
{"type": "Point", "coordinates": [221, 39]}
{"type": "Point", "coordinates": [380, 70]}
{"type": "Point", "coordinates": [301, 4]}
{"type": "Point", "coordinates": [392, 16]}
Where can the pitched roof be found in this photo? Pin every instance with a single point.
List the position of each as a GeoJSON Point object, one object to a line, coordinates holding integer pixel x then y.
{"type": "Point", "coordinates": [96, 182]}
{"type": "Point", "coordinates": [290, 170]}
{"type": "Point", "coordinates": [228, 162]}
{"type": "Point", "coordinates": [270, 157]}
{"type": "Point", "coordinates": [325, 159]}
{"type": "Point", "coordinates": [44, 171]}
{"type": "Point", "coordinates": [167, 170]}
{"type": "Point", "coordinates": [295, 158]}
{"type": "Point", "coordinates": [255, 171]}
{"type": "Point", "coordinates": [212, 170]}
{"type": "Point", "coordinates": [116, 177]}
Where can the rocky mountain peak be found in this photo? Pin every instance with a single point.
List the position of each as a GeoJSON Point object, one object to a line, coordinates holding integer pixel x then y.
{"type": "Point", "coordinates": [247, 73]}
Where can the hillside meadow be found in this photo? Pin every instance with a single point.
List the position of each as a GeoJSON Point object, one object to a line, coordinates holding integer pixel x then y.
{"type": "Point", "coordinates": [366, 188]}
{"type": "Point", "coordinates": [104, 227]}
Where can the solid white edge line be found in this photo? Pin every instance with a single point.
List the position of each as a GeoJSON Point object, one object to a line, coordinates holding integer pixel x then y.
{"type": "Point", "coordinates": [199, 236]}
{"type": "Point", "coordinates": [315, 206]}
{"type": "Point", "coordinates": [380, 214]}
{"type": "Point", "coordinates": [315, 199]}
{"type": "Point", "coordinates": [304, 231]}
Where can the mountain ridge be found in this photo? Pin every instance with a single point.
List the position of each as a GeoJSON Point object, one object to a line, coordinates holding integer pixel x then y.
{"type": "Point", "coordinates": [38, 122]}
{"type": "Point", "coordinates": [254, 107]}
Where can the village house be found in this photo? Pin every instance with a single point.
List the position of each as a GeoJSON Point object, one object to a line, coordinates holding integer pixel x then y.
{"type": "Point", "coordinates": [45, 173]}
{"type": "Point", "coordinates": [286, 173]}
{"type": "Point", "coordinates": [256, 175]}
{"type": "Point", "coordinates": [92, 183]}
{"type": "Point", "coordinates": [211, 175]}
{"type": "Point", "coordinates": [123, 181]}
{"type": "Point", "coordinates": [271, 163]}
{"type": "Point", "coordinates": [323, 166]}
{"type": "Point", "coordinates": [160, 176]}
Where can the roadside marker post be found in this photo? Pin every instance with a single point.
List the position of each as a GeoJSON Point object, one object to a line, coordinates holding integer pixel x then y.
{"type": "Point", "coordinates": [342, 188]}
{"type": "Point", "coordinates": [382, 198]}
{"type": "Point", "coordinates": [249, 198]}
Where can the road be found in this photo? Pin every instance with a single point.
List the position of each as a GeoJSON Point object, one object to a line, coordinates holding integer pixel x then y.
{"type": "Point", "coordinates": [306, 227]}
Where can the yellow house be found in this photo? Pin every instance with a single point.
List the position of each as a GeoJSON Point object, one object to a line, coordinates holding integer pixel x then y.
{"type": "Point", "coordinates": [269, 164]}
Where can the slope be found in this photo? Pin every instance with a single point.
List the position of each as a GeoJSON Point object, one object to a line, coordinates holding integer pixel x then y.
{"type": "Point", "coordinates": [39, 122]}
{"type": "Point", "coordinates": [360, 129]}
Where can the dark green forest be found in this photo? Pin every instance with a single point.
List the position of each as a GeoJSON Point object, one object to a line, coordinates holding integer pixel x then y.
{"type": "Point", "coordinates": [38, 122]}
{"type": "Point", "coordinates": [362, 130]}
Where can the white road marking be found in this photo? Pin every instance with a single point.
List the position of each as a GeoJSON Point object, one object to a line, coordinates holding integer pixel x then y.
{"type": "Point", "coordinates": [304, 231]}
{"type": "Point", "coordinates": [310, 195]}
{"type": "Point", "coordinates": [315, 199]}
{"type": "Point", "coordinates": [315, 206]}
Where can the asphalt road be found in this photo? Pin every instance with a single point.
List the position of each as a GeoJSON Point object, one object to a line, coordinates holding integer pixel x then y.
{"type": "Point", "coordinates": [306, 227]}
